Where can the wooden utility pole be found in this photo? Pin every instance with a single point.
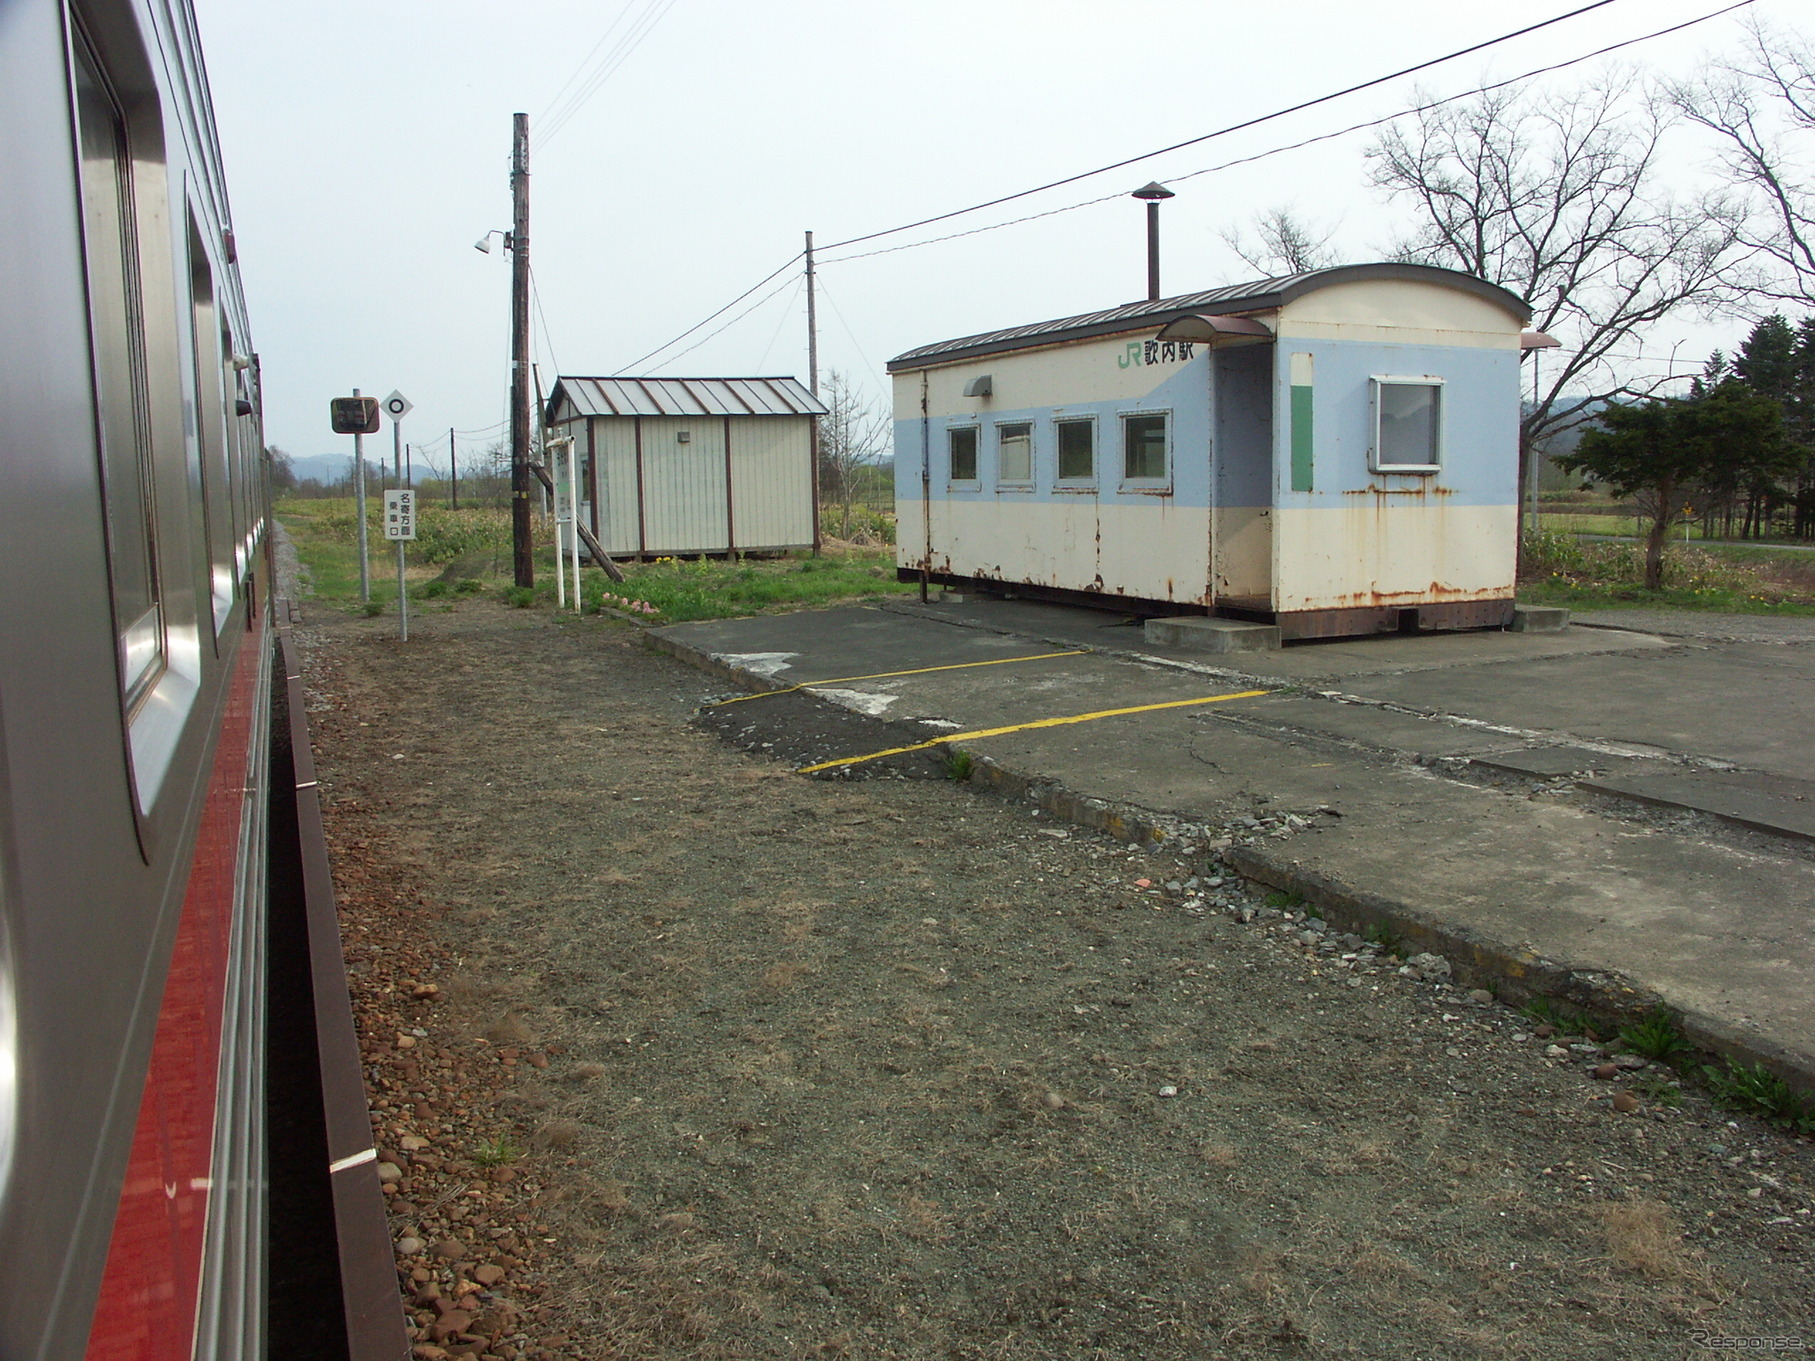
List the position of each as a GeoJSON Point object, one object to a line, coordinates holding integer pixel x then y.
{"type": "Point", "coordinates": [812, 324]}
{"type": "Point", "coordinates": [453, 471]}
{"type": "Point", "coordinates": [522, 556]}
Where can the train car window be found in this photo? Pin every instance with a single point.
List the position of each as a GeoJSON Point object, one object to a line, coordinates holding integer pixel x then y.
{"type": "Point", "coordinates": [236, 514]}
{"type": "Point", "coordinates": [110, 234]}
{"type": "Point", "coordinates": [210, 432]}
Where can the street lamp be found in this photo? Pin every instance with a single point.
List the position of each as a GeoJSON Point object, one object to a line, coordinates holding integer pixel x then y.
{"type": "Point", "coordinates": [1153, 193]}
{"type": "Point", "coordinates": [484, 244]}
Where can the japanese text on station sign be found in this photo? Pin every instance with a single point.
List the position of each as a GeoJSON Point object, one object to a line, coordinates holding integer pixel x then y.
{"type": "Point", "coordinates": [400, 514]}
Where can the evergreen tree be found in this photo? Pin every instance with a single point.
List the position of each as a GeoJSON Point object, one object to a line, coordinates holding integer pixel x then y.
{"type": "Point", "coordinates": [1766, 361]}
{"type": "Point", "coordinates": [1799, 424]}
{"type": "Point", "coordinates": [1662, 453]}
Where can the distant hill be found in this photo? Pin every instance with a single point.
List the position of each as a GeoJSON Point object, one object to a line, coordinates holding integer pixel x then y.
{"type": "Point", "coordinates": [331, 468]}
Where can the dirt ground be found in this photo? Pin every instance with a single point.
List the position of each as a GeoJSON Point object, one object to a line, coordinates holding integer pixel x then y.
{"type": "Point", "coordinates": [675, 1053]}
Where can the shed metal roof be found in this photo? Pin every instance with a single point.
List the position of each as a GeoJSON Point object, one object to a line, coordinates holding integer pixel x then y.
{"type": "Point", "coordinates": [684, 397]}
{"type": "Point", "coordinates": [1262, 295]}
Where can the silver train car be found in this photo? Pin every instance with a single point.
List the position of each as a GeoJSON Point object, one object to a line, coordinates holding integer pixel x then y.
{"type": "Point", "coordinates": [180, 1106]}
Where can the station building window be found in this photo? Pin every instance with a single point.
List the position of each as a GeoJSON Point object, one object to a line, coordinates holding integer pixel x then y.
{"type": "Point", "coordinates": [1408, 425]}
{"type": "Point", "coordinates": [1077, 450]}
{"type": "Point", "coordinates": [961, 453]}
{"type": "Point", "coordinates": [1015, 453]}
{"type": "Point", "coordinates": [1144, 448]}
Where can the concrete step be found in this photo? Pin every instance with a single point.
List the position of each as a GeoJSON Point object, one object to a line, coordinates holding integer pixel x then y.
{"type": "Point", "coordinates": [1195, 633]}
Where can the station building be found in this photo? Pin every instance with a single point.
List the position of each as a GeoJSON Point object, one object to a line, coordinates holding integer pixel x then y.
{"type": "Point", "coordinates": [1334, 452]}
{"type": "Point", "coordinates": [680, 467]}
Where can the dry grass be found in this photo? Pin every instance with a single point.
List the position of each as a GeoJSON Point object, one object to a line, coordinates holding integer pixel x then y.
{"type": "Point", "coordinates": [781, 977]}
{"type": "Point", "coordinates": [508, 1030]}
{"type": "Point", "coordinates": [1378, 1264]}
{"type": "Point", "coordinates": [557, 1134]}
{"type": "Point", "coordinates": [1219, 1155]}
{"type": "Point", "coordinates": [1643, 1236]}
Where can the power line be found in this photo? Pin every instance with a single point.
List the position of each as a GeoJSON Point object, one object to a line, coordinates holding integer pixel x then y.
{"type": "Point", "coordinates": [548, 341]}
{"type": "Point", "coordinates": [586, 60]}
{"type": "Point", "coordinates": [1244, 160]}
{"type": "Point", "coordinates": [849, 333]}
{"type": "Point", "coordinates": [726, 327]}
{"type": "Point", "coordinates": [635, 363]}
{"type": "Point", "coordinates": [786, 312]}
{"type": "Point", "coordinates": [1223, 132]}
{"type": "Point", "coordinates": [641, 27]}
{"type": "Point", "coordinates": [1308, 141]}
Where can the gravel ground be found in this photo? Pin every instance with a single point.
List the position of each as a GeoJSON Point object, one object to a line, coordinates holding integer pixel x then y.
{"type": "Point", "coordinates": [674, 1053]}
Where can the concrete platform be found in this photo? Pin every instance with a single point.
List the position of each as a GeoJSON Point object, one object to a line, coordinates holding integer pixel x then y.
{"type": "Point", "coordinates": [1521, 887]}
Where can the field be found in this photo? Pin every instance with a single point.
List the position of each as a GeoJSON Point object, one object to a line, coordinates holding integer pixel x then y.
{"type": "Point", "coordinates": [466, 553]}
{"type": "Point", "coordinates": [1562, 568]}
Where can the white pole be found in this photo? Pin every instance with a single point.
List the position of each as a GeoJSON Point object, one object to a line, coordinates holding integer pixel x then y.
{"type": "Point", "coordinates": [403, 590]}
{"type": "Point", "coordinates": [560, 547]}
{"type": "Point", "coordinates": [573, 506]}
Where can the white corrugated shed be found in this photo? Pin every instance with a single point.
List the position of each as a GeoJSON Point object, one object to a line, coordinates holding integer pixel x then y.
{"type": "Point", "coordinates": [682, 466]}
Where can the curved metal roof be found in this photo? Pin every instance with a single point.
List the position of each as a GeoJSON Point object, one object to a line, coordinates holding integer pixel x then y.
{"type": "Point", "coordinates": [684, 397]}
{"type": "Point", "coordinates": [1262, 295]}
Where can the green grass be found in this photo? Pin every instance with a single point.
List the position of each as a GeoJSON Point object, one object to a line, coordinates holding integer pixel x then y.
{"type": "Point", "coordinates": [478, 541]}
{"type": "Point", "coordinates": [959, 765]}
{"type": "Point", "coordinates": [1284, 899]}
{"type": "Point", "coordinates": [1561, 569]}
{"type": "Point", "coordinates": [1546, 1012]}
{"type": "Point", "coordinates": [711, 589]}
{"type": "Point", "coordinates": [1619, 524]}
{"type": "Point", "coordinates": [496, 1152]}
{"type": "Point", "coordinates": [1760, 1092]}
{"type": "Point", "coordinates": [1657, 1036]}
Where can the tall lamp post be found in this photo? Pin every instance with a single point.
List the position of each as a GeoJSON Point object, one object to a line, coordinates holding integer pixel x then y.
{"type": "Point", "coordinates": [1153, 194]}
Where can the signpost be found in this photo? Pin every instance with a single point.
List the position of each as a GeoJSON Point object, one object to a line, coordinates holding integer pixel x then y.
{"type": "Point", "coordinates": [567, 521]}
{"type": "Point", "coordinates": [357, 416]}
{"type": "Point", "coordinates": [402, 503]}
{"type": "Point", "coordinates": [400, 524]}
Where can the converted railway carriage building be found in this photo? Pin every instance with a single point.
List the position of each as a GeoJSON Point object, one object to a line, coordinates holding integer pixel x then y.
{"type": "Point", "coordinates": [1335, 451]}
{"type": "Point", "coordinates": [683, 466]}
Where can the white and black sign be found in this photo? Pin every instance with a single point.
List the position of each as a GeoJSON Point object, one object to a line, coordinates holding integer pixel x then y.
{"type": "Point", "coordinates": [400, 514]}
{"type": "Point", "coordinates": [397, 406]}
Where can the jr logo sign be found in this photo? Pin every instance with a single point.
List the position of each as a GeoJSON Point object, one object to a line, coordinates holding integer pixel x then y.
{"type": "Point", "coordinates": [1142, 352]}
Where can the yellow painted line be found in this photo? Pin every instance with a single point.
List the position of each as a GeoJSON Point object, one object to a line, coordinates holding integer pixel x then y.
{"type": "Point", "coordinates": [884, 675]}
{"type": "Point", "coordinates": [1026, 727]}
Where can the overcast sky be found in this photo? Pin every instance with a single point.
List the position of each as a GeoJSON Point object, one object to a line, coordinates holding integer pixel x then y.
{"type": "Point", "coordinates": [368, 145]}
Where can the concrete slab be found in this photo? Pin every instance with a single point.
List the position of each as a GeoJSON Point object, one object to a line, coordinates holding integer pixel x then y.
{"type": "Point", "coordinates": [1763, 803]}
{"type": "Point", "coordinates": [1748, 704]}
{"type": "Point", "coordinates": [1367, 724]}
{"type": "Point", "coordinates": [1705, 625]}
{"type": "Point", "coordinates": [1545, 763]}
{"type": "Point", "coordinates": [1533, 892]}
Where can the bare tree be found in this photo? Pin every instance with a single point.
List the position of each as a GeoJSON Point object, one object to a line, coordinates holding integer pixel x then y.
{"type": "Point", "coordinates": [1761, 107]}
{"type": "Point", "coordinates": [1283, 244]}
{"type": "Point", "coordinates": [854, 431]}
{"type": "Point", "coordinates": [1556, 197]}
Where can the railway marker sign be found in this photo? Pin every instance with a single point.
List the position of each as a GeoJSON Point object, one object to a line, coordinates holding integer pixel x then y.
{"type": "Point", "coordinates": [353, 415]}
{"type": "Point", "coordinates": [397, 406]}
{"type": "Point", "coordinates": [400, 514]}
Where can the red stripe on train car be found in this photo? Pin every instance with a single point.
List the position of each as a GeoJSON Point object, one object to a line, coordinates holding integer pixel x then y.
{"type": "Point", "coordinates": [146, 1311]}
